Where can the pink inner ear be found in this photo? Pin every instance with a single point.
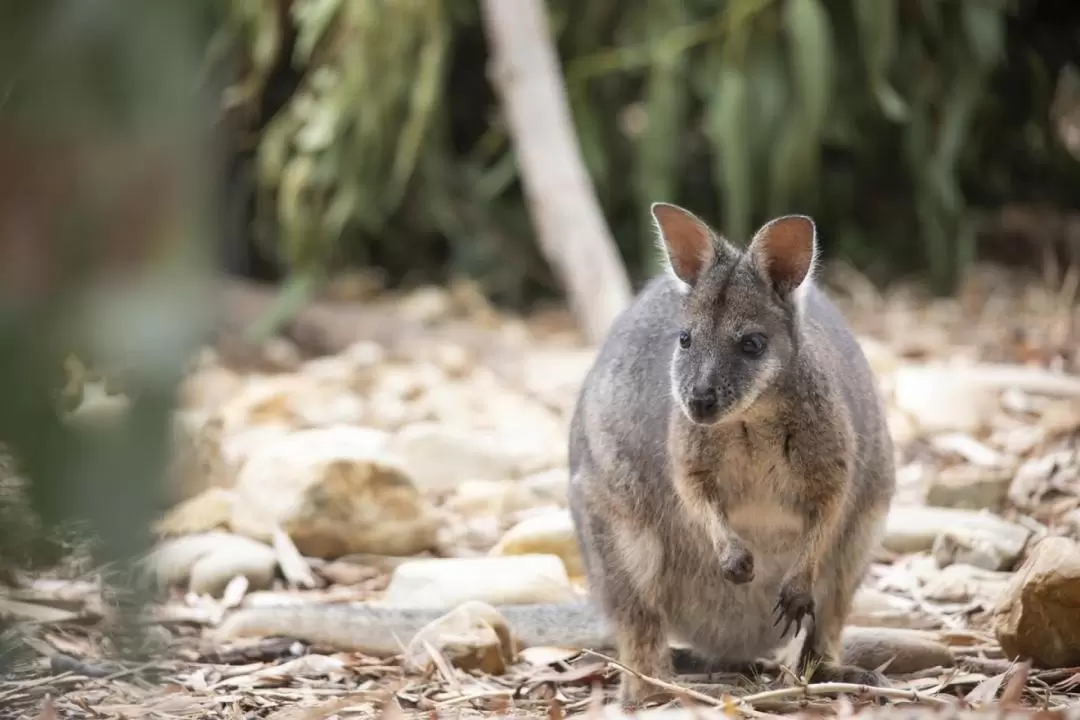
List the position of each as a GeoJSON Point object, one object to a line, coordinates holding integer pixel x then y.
{"type": "Point", "coordinates": [786, 247]}
{"type": "Point", "coordinates": [687, 240]}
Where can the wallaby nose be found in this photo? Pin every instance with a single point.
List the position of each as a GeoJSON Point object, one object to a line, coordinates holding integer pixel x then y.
{"type": "Point", "coordinates": [703, 401]}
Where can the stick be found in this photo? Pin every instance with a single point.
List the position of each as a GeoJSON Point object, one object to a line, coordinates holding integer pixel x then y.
{"type": "Point", "coordinates": [812, 689]}
{"type": "Point", "coordinates": [848, 688]}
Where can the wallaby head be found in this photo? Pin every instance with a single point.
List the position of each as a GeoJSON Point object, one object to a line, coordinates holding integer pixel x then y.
{"type": "Point", "coordinates": [740, 323]}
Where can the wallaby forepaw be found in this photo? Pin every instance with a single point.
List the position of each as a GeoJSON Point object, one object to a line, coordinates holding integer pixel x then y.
{"type": "Point", "coordinates": [792, 607]}
{"type": "Point", "coordinates": [738, 565]}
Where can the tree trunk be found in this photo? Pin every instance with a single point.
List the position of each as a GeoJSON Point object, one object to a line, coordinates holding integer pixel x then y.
{"type": "Point", "coordinates": [565, 212]}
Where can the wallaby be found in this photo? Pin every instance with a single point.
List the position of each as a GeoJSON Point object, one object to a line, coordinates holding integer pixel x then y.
{"type": "Point", "coordinates": [730, 463]}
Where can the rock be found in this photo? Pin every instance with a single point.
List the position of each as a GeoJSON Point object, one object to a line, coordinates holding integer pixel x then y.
{"type": "Point", "coordinates": [970, 487]}
{"type": "Point", "coordinates": [874, 608]}
{"type": "Point", "coordinates": [540, 492]}
{"type": "Point", "coordinates": [495, 498]}
{"type": "Point", "coordinates": [1037, 616]}
{"type": "Point", "coordinates": [912, 483]}
{"type": "Point", "coordinates": [548, 487]}
{"type": "Point", "coordinates": [905, 651]}
{"type": "Point", "coordinates": [969, 449]}
{"type": "Point", "coordinates": [440, 457]}
{"type": "Point", "coordinates": [208, 561]}
{"type": "Point", "coordinates": [556, 374]}
{"type": "Point", "coordinates": [427, 305]}
{"type": "Point", "coordinates": [333, 490]}
{"type": "Point", "coordinates": [447, 582]}
{"type": "Point", "coordinates": [911, 529]}
{"type": "Point", "coordinates": [1057, 470]}
{"type": "Point", "coordinates": [901, 426]}
{"type": "Point", "coordinates": [1070, 521]}
{"type": "Point", "coordinates": [549, 534]}
{"type": "Point", "coordinates": [209, 388]}
{"type": "Point", "coordinates": [942, 398]}
{"type": "Point", "coordinates": [979, 551]}
{"type": "Point", "coordinates": [882, 358]}
{"type": "Point", "coordinates": [210, 510]}
{"type": "Point", "coordinates": [472, 636]}
{"type": "Point", "coordinates": [238, 447]}
{"type": "Point", "coordinates": [294, 401]}
{"type": "Point", "coordinates": [200, 459]}
{"type": "Point", "coordinates": [961, 583]}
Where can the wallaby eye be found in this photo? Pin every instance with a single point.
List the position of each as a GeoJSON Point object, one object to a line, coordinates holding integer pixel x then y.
{"type": "Point", "coordinates": [684, 339]}
{"type": "Point", "coordinates": [753, 344]}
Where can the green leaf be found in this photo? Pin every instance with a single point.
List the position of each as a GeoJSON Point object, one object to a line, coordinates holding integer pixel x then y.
{"type": "Point", "coordinates": [728, 128]}
{"type": "Point", "coordinates": [984, 30]}
{"type": "Point", "coordinates": [877, 27]}
{"type": "Point", "coordinates": [809, 33]}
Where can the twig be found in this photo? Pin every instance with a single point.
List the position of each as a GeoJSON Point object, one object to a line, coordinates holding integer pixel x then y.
{"type": "Point", "coordinates": [783, 693]}
{"type": "Point", "coordinates": [33, 683]}
{"type": "Point", "coordinates": [848, 688]}
{"type": "Point", "coordinates": [672, 687]}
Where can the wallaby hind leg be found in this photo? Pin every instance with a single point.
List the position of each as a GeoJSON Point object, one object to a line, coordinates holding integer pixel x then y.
{"type": "Point", "coordinates": [641, 642]}
{"type": "Point", "coordinates": [820, 652]}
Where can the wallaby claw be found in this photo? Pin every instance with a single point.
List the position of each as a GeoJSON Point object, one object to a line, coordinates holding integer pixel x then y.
{"type": "Point", "coordinates": [793, 606]}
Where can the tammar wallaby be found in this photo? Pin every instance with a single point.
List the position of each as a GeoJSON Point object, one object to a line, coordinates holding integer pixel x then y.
{"type": "Point", "coordinates": [730, 464]}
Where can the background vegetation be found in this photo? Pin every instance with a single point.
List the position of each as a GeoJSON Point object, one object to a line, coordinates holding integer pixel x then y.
{"type": "Point", "coordinates": [368, 132]}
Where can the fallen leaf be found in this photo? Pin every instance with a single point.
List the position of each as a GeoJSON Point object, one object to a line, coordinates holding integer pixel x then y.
{"type": "Point", "coordinates": [986, 691]}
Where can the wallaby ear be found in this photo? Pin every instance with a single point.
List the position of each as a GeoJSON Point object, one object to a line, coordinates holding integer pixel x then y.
{"type": "Point", "coordinates": [687, 240]}
{"type": "Point", "coordinates": [784, 251]}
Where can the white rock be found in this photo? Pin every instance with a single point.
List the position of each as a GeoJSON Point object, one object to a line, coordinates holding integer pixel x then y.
{"type": "Point", "coordinates": [502, 498]}
{"type": "Point", "coordinates": [549, 534]}
{"type": "Point", "coordinates": [942, 399]}
{"type": "Point", "coordinates": [448, 582]}
{"type": "Point", "coordinates": [977, 550]}
{"type": "Point", "coordinates": [911, 529]}
{"type": "Point", "coordinates": [969, 486]}
{"type": "Point", "coordinates": [874, 608]}
{"type": "Point", "coordinates": [549, 487]}
{"type": "Point", "coordinates": [440, 457]}
{"type": "Point", "coordinates": [208, 561]}
{"type": "Point", "coordinates": [1056, 470]}
{"type": "Point", "coordinates": [883, 360]}
{"type": "Point", "coordinates": [334, 490]}
{"type": "Point", "coordinates": [961, 583]}
{"type": "Point", "coordinates": [292, 400]}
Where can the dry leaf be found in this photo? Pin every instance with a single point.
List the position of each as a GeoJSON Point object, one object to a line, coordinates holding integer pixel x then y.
{"type": "Point", "coordinates": [1014, 690]}
{"type": "Point", "coordinates": [986, 691]}
{"type": "Point", "coordinates": [48, 709]}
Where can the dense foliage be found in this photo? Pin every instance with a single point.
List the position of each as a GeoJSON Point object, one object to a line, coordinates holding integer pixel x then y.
{"type": "Point", "coordinates": [377, 138]}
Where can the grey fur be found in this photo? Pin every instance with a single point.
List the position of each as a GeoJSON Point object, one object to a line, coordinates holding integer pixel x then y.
{"type": "Point", "coordinates": [695, 528]}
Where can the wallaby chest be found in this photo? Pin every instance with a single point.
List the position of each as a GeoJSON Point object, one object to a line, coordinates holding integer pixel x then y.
{"type": "Point", "coordinates": [747, 470]}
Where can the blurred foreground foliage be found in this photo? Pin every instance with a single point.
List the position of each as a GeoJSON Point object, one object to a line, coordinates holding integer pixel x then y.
{"type": "Point", "coordinates": [370, 133]}
{"type": "Point", "coordinates": [105, 253]}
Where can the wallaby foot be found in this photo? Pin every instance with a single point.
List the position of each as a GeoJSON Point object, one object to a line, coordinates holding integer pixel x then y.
{"type": "Point", "coordinates": [819, 657]}
{"type": "Point", "coordinates": [641, 641]}
{"type": "Point", "coordinates": [835, 672]}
